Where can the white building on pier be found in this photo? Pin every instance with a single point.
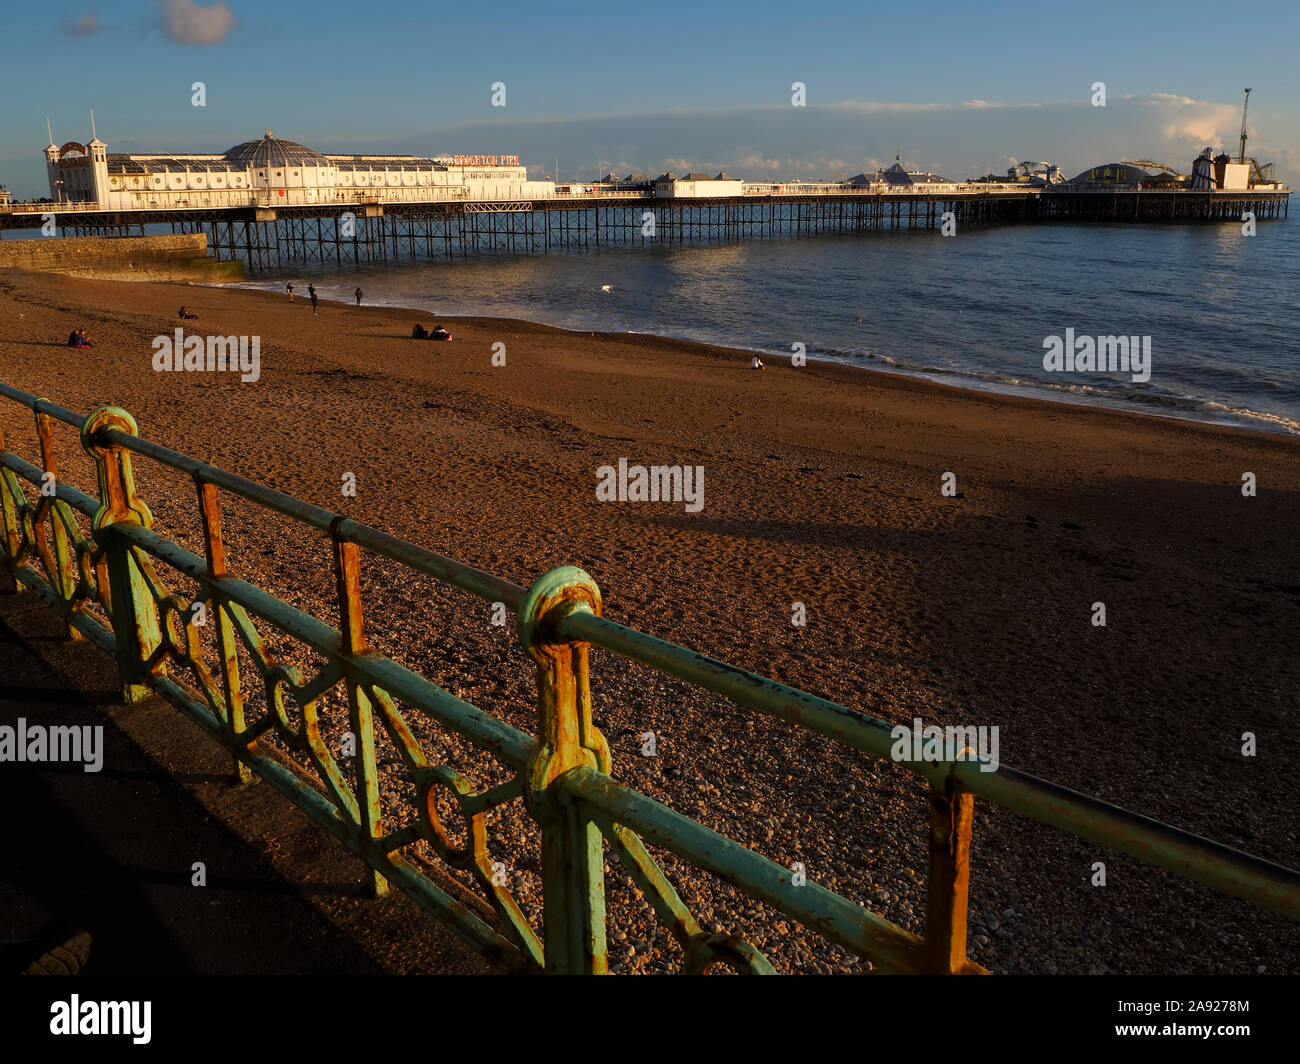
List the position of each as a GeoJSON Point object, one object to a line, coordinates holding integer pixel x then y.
{"type": "Point", "coordinates": [697, 186]}
{"type": "Point", "coordinates": [270, 172]}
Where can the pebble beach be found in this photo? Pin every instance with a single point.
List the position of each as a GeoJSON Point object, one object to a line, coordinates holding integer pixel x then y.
{"type": "Point", "coordinates": [822, 486]}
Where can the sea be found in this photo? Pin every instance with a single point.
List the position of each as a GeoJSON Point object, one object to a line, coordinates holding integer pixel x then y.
{"type": "Point", "coordinates": [1221, 308]}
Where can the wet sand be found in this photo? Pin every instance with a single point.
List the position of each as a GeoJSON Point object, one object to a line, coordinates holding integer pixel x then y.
{"type": "Point", "coordinates": [822, 486]}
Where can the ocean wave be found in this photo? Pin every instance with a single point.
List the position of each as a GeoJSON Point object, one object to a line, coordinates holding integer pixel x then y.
{"type": "Point", "coordinates": [1108, 393]}
{"type": "Point", "coordinates": [1111, 394]}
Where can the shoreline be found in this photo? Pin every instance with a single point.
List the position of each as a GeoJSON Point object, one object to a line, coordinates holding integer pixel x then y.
{"type": "Point", "coordinates": [1197, 411]}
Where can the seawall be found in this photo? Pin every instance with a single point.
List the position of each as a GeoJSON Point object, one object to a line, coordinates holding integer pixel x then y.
{"type": "Point", "coordinates": [182, 257]}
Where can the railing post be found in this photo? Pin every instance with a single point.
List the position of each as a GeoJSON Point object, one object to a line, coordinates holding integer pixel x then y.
{"type": "Point", "coordinates": [951, 813]}
{"type": "Point", "coordinates": [64, 572]}
{"type": "Point", "coordinates": [130, 604]}
{"type": "Point", "coordinates": [11, 529]}
{"type": "Point", "coordinates": [347, 572]}
{"type": "Point", "coordinates": [573, 855]}
{"type": "Point", "coordinates": [214, 549]}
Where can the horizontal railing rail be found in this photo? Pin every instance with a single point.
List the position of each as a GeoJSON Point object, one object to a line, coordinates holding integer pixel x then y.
{"type": "Point", "coordinates": [107, 587]}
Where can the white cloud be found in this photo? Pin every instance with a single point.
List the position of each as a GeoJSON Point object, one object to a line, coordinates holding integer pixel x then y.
{"type": "Point", "coordinates": [1193, 123]}
{"type": "Point", "coordinates": [955, 139]}
{"type": "Point", "coordinates": [876, 107]}
{"type": "Point", "coordinates": [879, 107]}
{"type": "Point", "coordinates": [84, 25]}
{"type": "Point", "coordinates": [756, 161]}
{"type": "Point", "coordinates": [186, 22]}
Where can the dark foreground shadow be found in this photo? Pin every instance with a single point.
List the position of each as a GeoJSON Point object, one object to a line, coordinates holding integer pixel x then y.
{"type": "Point", "coordinates": [112, 853]}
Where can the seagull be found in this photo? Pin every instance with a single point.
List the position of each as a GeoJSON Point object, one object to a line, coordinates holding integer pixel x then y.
{"type": "Point", "coordinates": [607, 288]}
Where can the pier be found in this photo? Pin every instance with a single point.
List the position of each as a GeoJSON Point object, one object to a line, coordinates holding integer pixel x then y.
{"type": "Point", "coordinates": [1161, 205]}
{"type": "Point", "coordinates": [272, 202]}
{"type": "Point", "coordinates": [268, 237]}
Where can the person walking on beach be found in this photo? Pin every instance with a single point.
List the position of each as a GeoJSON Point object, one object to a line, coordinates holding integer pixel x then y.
{"type": "Point", "coordinates": [311, 291]}
{"type": "Point", "coordinates": [289, 288]}
{"type": "Point", "coordinates": [358, 297]}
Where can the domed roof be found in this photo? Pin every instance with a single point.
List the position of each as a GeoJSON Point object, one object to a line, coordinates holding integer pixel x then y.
{"type": "Point", "coordinates": [1113, 174]}
{"type": "Point", "coordinates": [272, 151]}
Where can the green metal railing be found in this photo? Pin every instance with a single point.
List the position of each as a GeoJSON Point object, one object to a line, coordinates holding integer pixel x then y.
{"type": "Point", "coordinates": [563, 775]}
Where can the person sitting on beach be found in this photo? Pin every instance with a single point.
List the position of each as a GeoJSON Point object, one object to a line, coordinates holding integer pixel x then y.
{"type": "Point", "coordinates": [72, 338]}
{"type": "Point", "coordinates": [82, 340]}
{"type": "Point", "coordinates": [439, 333]}
{"type": "Point", "coordinates": [419, 332]}
{"type": "Point", "coordinates": [182, 313]}
{"type": "Point", "coordinates": [756, 363]}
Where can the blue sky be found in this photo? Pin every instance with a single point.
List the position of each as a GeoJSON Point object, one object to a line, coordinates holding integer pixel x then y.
{"type": "Point", "coordinates": [959, 88]}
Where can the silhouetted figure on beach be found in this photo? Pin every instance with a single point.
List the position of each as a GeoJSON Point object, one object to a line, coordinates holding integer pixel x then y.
{"type": "Point", "coordinates": [419, 332]}
{"type": "Point", "coordinates": [439, 333]}
{"type": "Point", "coordinates": [72, 338]}
{"type": "Point", "coordinates": [311, 291]}
{"type": "Point", "coordinates": [79, 339]}
{"type": "Point", "coordinates": [358, 297]}
{"type": "Point", "coordinates": [289, 288]}
{"type": "Point", "coordinates": [183, 313]}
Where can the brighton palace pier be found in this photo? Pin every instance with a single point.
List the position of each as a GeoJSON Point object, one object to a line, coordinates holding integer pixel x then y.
{"type": "Point", "coordinates": [271, 202]}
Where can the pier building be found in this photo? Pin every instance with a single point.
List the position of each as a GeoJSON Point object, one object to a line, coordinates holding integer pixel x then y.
{"type": "Point", "coordinates": [273, 172]}
{"type": "Point", "coordinates": [697, 186]}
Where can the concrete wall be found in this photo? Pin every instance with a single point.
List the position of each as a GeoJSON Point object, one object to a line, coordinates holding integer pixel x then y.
{"type": "Point", "coordinates": [127, 258]}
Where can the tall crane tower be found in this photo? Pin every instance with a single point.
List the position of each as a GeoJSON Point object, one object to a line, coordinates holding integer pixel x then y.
{"type": "Point", "coordinates": [1242, 157]}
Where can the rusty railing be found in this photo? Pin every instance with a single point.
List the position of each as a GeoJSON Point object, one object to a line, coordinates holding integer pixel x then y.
{"type": "Point", "coordinates": [105, 585]}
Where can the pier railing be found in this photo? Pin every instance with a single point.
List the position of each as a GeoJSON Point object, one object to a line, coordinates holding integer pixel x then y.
{"type": "Point", "coordinates": [95, 557]}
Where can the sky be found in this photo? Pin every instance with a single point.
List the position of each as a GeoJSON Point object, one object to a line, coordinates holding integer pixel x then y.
{"type": "Point", "coordinates": [962, 89]}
